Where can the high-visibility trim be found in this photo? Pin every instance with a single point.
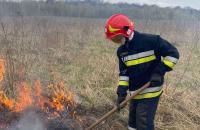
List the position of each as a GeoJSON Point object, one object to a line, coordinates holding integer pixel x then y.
{"type": "Point", "coordinates": [125, 78]}
{"type": "Point", "coordinates": [172, 59]}
{"type": "Point", "coordinates": [112, 30]}
{"type": "Point", "coordinates": [139, 55]}
{"type": "Point", "coordinates": [149, 90]}
{"type": "Point", "coordinates": [140, 61]}
{"type": "Point", "coordinates": [168, 63]}
{"type": "Point", "coordinates": [148, 95]}
{"type": "Point", "coordinates": [123, 83]}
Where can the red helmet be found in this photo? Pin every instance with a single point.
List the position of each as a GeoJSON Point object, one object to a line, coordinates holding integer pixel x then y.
{"type": "Point", "coordinates": [118, 24]}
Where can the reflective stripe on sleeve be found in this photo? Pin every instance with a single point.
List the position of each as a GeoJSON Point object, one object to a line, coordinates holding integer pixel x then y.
{"type": "Point", "coordinates": [123, 83]}
{"type": "Point", "coordinates": [124, 78]}
{"type": "Point", "coordinates": [168, 63]}
{"type": "Point", "coordinates": [172, 59]}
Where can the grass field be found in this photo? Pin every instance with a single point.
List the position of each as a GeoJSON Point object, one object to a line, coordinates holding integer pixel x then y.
{"type": "Point", "coordinates": [74, 50]}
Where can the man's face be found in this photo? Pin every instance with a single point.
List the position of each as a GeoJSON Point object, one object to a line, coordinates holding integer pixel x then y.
{"type": "Point", "coordinates": [119, 39]}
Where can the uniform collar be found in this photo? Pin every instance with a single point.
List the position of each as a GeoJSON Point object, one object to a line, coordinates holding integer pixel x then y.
{"type": "Point", "coordinates": [131, 41]}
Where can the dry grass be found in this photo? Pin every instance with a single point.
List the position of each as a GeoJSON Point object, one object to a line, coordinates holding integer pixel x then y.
{"type": "Point", "coordinates": [74, 50]}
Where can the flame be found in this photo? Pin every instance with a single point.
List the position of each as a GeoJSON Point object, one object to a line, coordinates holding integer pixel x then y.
{"type": "Point", "coordinates": [8, 103]}
{"type": "Point", "coordinates": [39, 99]}
{"type": "Point", "coordinates": [58, 100]}
{"type": "Point", "coordinates": [24, 97]}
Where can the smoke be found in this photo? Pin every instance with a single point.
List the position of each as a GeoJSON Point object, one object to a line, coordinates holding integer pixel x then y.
{"type": "Point", "coordinates": [29, 121]}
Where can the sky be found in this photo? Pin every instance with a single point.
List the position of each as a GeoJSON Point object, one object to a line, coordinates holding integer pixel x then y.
{"type": "Point", "coordinates": [163, 3]}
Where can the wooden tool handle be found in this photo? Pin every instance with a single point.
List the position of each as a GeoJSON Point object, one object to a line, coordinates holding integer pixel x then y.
{"type": "Point", "coordinates": [115, 108]}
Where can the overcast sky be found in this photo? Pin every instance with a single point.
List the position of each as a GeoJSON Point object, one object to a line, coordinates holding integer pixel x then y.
{"type": "Point", "coordinates": [164, 3]}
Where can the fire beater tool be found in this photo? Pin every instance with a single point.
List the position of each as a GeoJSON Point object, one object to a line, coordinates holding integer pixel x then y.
{"type": "Point", "coordinates": [111, 112]}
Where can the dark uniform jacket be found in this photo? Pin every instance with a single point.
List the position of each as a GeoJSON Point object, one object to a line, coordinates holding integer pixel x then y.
{"type": "Point", "coordinates": [142, 57]}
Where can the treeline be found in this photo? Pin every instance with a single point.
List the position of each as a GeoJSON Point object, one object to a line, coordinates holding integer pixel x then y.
{"type": "Point", "coordinates": [92, 9]}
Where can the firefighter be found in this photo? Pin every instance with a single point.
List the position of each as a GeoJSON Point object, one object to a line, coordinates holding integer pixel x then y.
{"type": "Point", "coordinates": [142, 58]}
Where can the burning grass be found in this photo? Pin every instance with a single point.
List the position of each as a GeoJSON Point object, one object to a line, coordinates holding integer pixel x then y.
{"type": "Point", "coordinates": [33, 109]}
{"type": "Point", "coordinates": [57, 106]}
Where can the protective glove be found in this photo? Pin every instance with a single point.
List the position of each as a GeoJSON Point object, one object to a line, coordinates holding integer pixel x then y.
{"type": "Point", "coordinates": [156, 80]}
{"type": "Point", "coordinates": [120, 99]}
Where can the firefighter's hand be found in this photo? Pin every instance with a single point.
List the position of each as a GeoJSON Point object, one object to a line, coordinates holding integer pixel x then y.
{"type": "Point", "coordinates": [156, 80]}
{"type": "Point", "coordinates": [120, 99]}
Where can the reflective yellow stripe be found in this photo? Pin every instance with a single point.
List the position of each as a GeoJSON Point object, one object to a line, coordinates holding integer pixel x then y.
{"type": "Point", "coordinates": [112, 30]}
{"type": "Point", "coordinates": [168, 63]}
{"type": "Point", "coordinates": [140, 61]}
{"type": "Point", "coordinates": [123, 83]}
{"type": "Point", "coordinates": [148, 95]}
{"type": "Point", "coordinates": [139, 55]}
